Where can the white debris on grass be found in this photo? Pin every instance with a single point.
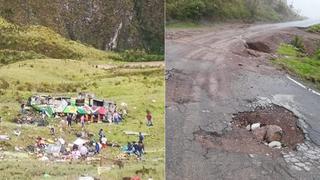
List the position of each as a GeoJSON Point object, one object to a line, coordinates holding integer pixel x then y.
{"type": "Point", "coordinates": [135, 133]}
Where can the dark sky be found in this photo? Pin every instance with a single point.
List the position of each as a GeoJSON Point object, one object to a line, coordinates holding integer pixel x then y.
{"type": "Point", "coordinates": [309, 8]}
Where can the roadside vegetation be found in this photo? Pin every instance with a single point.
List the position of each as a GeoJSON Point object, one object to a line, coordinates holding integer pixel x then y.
{"type": "Point", "coordinates": [137, 56]}
{"type": "Point", "coordinates": [294, 59]}
{"type": "Point", "coordinates": [314, 29]}
{"type": "Point", "coordinates": [36, 60]}
{"type": "Point", "coordinates": [233, 10]}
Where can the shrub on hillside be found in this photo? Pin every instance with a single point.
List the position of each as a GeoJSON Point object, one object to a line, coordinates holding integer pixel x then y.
{"type": "Point", "coordinates": [4, 84]}
{"type": "Point", "coordinates": [138, 56]}
{"type": "Point", "coordinates": [314, 29]}
{"type": "Point", "coordinates": [297, 42]}
{"type": "Point", "coordinates": [10, 56]}
{"type": "Point", "coordinates": [43, 41]}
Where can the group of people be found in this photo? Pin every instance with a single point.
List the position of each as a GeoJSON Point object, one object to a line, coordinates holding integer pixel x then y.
{"type": "Point", "coordinates": [135, 148]}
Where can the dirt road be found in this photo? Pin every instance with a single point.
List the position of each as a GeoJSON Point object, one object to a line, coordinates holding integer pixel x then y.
{"type": "Point", "coordinates": [211, 75]}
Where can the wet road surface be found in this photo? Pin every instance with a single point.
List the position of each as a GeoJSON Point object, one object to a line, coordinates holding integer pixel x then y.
{"type": "Point", "coordinates": [209, 80]}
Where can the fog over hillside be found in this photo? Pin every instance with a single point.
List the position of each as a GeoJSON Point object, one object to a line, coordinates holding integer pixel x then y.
{"type": "Point", "coordinates": [308, 8]}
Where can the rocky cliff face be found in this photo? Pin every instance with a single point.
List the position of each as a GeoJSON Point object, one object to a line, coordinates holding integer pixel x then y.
{"type": "Point", "coordinates": [104, 24]}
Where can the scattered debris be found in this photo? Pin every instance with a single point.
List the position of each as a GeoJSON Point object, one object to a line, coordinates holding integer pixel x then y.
{"type": "Point", "coordinates": [134, 133]}
{"type": "Point", "coordinates": [270, 130]}
{"type": "Point", "coordinates": [275, 144]}
{"type": "Point", "coordinates": [280, 123]}
{"type": "Point", "coordinates": [260, 133]}
{"type": "Point", "coordinates": [17, 132]}
{"type": "Point", "coordinates": [255, 126]}
{"type": "Point", "coordinates": [4, 138]}
{"type": "Point", "coordinates": [86, 178]}
{"type": "Point", "coordinates": [274, 133]}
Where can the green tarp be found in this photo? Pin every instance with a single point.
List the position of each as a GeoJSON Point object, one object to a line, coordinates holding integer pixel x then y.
{"type": "Point", "coordinates": [44, 108]}
{"type": "Point", "coordinates": [71, 109]}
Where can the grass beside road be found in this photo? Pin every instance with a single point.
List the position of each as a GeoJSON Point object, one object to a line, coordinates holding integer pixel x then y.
{"type": "Point", "coordinates": [314, 28]}
{"type": "Point", "coordinates": [295, 62]}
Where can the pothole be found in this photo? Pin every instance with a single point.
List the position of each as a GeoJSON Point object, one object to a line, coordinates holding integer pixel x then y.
{"type": "Point", "coordinates": [267, 130]}
{"type": "Point", "coordinates": [271, 123]}
{"type": "Point", "coordinates": [259, 46]}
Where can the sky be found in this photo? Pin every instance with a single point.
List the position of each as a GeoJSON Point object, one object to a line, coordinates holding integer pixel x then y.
{"type": "Point", "coordinates": [308, 8]}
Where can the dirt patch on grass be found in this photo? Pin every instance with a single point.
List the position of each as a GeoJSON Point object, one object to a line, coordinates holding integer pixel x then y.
{"type": "Point", "coordinates": [243, 140]}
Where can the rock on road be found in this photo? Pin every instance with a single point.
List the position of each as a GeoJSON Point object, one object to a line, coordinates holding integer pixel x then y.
{"type": "Point", "coordinates": [209, 78]}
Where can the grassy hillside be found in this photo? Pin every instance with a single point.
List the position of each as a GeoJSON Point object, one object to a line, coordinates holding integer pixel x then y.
{"type": "Point", "coordinates": [219, 10]}
{"type": "Point", "coordinates": [95, 22]}
{"type": "Point", "coordinates": [28, 42]}
{"type": "Point", "coordinates": [36, 60]}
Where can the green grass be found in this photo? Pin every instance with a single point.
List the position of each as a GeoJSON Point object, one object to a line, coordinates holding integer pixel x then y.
{"type": "Point", "coordinates": [36, 60]}
{"type": "Point", "coordinates": [314, 29]}
{"type": "Point", "coordinates": [307, 68]}
{"type": "Point", "coordinates": [218, 10]}
{"type": "Point", "coordinates": [140, 88]}
{"type": "Point", "coordinates": [10, 56]}
{"type": "Point", "coordinates": [137, 56]}
{"type": "Point", "coordinates": [45, 42]}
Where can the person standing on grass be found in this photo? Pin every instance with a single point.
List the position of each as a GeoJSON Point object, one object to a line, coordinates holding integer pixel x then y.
{"type": "Point", "coordinates": [97, 148]}
{"type": "Point", "coordinates": [82, 120]}
{"type": "Point", "coordinates": [141, 138]}
{"type": "Point", "coordinates": [22, 108]}
{"type": "Point", "coordinates": [149, 118]}
{"type": "Point", "coordinates": [101, 135]}
{"type": "Point", "coordinates": [69, 120]}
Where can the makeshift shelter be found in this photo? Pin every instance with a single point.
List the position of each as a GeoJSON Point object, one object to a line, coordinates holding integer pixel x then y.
{"type": "Point", "coordinates": [102, 110]}
{"type": "Point", "coordinates": [66, 99]}
{"type": "Point", "coordinates": [72, 101]}
{"type": "Point", "coordinates": [48, 110]}
{"type": "Point", "coordinates": [95, 110]}
{"type": "Point", "coordinates": [80, 102]}
{"type": "Point", "coordinates": [60, 106]}
{"type": "Point", "coordinates": [82, 111]}
{"type": "Point", "coordinates": [88, 109]}
{"type": "Point", "coordinates": [96, 102]}
{"type": "Point", "coordinates": [71, 109]}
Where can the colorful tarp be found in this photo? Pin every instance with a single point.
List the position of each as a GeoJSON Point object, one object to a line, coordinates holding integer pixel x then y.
{"type": "Point", "coordinates": [102, 110]}
{"type": "Point", "coordinates": [71, 109]}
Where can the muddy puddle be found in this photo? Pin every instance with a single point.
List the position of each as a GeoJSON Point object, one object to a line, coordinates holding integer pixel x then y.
{"type": "Point", "coordinates": [256, 132]}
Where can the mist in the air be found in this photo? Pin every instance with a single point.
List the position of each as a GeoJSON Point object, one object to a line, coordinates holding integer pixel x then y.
{"type": "Point", "coordinates": [307, 8]}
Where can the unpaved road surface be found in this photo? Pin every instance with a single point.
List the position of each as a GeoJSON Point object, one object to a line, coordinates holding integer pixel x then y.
{"type": "Point", "coordinates": [211, 76]}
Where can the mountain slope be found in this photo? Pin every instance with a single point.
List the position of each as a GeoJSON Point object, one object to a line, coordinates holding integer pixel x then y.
{"type": "Point", "coordinates": [29, 42]}
{"type": "Point", "coordinates": [104, 24]}
{"type": "Point", "coordinates": [219, 10]}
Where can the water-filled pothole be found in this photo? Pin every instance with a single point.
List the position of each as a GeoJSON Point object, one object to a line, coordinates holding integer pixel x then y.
{"type": "Point", "coordinates": [256, 132]}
